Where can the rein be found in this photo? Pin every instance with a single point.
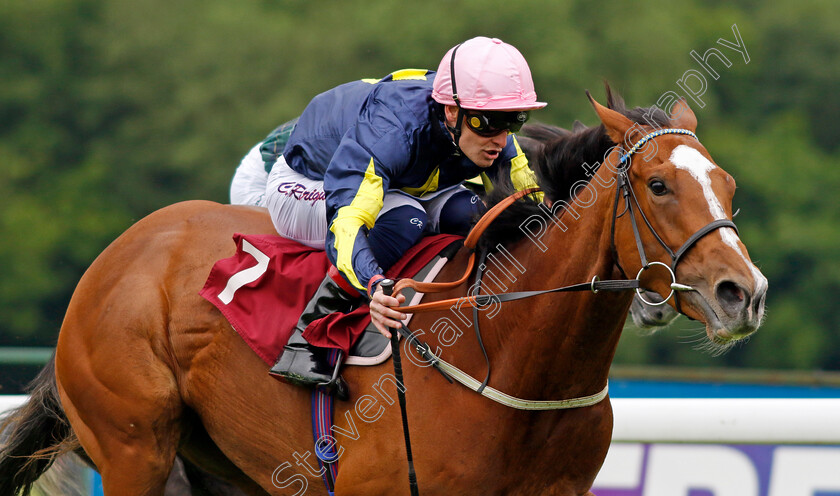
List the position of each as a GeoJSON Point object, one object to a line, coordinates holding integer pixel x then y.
{"type": "Point", "coordinates": [594, 285]}
{"type": "Point", "coordinates": [481, 300]}
{"type": "Point", "coordinates": [470, 243]}
{"type": "Point", "coordinates": [631, 204]}
{"type": "Point", "coordinates": [451, 372]}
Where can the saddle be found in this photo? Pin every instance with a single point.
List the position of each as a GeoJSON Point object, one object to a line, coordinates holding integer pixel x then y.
{"type": "Point", "coordinates": [262, 289]}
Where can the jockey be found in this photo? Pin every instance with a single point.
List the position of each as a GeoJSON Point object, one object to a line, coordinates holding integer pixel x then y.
{"type": "Point", "coordinates": [373, 165]}
{"type": "Point", "coordinates": [251, 177]}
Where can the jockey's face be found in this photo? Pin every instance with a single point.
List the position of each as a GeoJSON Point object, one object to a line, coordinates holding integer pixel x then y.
{"type": "Point", "coordinates": [482, 151]}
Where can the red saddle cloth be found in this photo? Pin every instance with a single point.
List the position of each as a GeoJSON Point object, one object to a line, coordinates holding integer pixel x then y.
{"type": "Point", "coordinates": [264, 287]}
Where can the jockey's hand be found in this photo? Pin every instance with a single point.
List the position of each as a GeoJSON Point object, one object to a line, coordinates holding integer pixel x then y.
{"type": "Point", "coordinates": [382, 315]}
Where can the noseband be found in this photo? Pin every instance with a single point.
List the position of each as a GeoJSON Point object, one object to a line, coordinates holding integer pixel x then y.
{"type": "Point", "coordinates": [631, 203]}
{"type": "Point", "coordinates": [450, 372]}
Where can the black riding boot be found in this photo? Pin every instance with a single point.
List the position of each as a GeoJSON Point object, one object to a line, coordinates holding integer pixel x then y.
{"type": "Point", "coordinates": [306, 365]}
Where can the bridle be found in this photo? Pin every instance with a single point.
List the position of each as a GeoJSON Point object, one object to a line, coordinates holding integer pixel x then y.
{"type": "Point", "coordinates": [625, 189]}
{"type": "Point", "coordinates": [631, 204]}
{"type": "Point", "coordinates": [450, 372]}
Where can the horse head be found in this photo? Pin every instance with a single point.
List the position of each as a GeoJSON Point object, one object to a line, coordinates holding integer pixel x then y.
{"type": "Point", "coordinates": [672, 223]}
{"type": "Point", "coordinates": [647, 311]}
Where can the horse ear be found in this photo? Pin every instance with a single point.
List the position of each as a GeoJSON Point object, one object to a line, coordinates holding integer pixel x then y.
{"type": "Point", "coordinates": [616, 123]}
{"type": "Point", "coordinates": [682, 116]}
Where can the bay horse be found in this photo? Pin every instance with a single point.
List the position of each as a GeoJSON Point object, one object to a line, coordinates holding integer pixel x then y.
{"type": "Point", "coordinates": [146, 369]}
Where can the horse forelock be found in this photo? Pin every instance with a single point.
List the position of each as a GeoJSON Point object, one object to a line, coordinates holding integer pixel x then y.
{"type": "Point", "coordinates": [561, 158]}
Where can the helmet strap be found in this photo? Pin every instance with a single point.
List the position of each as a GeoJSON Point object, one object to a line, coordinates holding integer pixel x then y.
{"type": "Point", "coordinates": [456, 131]}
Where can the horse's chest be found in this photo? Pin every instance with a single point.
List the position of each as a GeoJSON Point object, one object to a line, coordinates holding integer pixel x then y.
{"type": "Point", "coordinates": [516, 455]}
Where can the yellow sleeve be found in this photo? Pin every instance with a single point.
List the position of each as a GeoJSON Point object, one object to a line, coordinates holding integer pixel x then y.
{"type": "Point", "coordinates": [521, 174]}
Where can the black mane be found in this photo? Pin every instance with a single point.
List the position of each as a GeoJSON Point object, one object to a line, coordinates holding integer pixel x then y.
{"type": "Point", "coordinates": [557, 156]}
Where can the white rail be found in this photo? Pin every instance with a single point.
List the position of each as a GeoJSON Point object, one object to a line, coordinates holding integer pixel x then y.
{"type": "Point", "coordinates": [7, 402]}
{"type": "Point", "coordinates": [733, 421]}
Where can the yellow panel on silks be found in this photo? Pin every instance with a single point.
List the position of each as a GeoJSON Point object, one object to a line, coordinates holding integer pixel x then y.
{"type": "Point", "coordinates": [521, 174]}
{"type": "Point", "coordinates": [419, 74]}
{"type": "Point", "coordinates": [350, 218]}
{"type": "Point", "coordinates": [431, 184]}
{"type": "Point", "coordinates": [403, 75]}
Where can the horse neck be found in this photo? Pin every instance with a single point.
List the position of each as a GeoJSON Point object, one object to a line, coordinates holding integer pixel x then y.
{"type": "Point", "coordinates": [560, 345]}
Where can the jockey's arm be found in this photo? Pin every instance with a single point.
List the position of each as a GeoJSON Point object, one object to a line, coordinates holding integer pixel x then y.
{"type": "Point", "coordinates": [355, 184]}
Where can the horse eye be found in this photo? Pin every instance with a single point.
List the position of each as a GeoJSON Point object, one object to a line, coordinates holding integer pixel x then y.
{"type": "Point", "coordinates": [657, 187]}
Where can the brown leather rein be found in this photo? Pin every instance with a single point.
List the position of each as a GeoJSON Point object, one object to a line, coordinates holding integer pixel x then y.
{"type": "Point", "coordinates": [595, 285]}
{"type": "Point", "coordinates": [477, 301]}
{"type": "Point", "coordinates": [470, 243]}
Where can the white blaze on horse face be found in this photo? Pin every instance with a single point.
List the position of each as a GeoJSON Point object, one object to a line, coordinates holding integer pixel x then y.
{"type": "Point", "coordinates": [692, 161]}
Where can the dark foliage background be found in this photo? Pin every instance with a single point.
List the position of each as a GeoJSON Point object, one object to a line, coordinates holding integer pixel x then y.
{"type": "Point", "coordinates": [112, 109]}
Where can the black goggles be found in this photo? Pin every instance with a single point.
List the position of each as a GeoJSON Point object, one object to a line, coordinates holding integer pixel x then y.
{"type": "Point", "coordinates": [492, 123]}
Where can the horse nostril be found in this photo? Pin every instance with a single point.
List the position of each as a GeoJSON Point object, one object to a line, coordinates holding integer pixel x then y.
{"type": "Point", "coordinates": [732, 298]}
{"type": "Point", "coordinates": [758, 304]}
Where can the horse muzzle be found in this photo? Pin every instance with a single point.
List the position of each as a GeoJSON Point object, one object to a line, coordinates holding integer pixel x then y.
{"type": "Point", "coordinates": [730, 309]}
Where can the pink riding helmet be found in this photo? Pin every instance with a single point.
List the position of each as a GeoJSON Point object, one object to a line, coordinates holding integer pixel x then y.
{"type": "Point", "coordinates": [489, 75]}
